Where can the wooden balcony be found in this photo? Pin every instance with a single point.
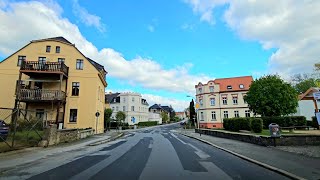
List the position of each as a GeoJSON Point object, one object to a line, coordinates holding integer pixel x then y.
{"type": "Point", "coordinates": [32, 67]}
{"type": "Point", "coordinates": [40, 95]}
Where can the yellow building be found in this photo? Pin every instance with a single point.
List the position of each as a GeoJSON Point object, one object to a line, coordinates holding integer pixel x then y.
{"type": "Point", "coordinates": [222, 98]}
{"type": "Point", "coordinates": [57, 83]}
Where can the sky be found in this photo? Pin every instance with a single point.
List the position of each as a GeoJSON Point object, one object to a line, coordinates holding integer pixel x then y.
{"type": "Point", "coordinates": [163, 48]}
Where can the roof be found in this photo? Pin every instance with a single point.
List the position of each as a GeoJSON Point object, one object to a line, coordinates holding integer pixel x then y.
{"type": "Point", "coordinates": [308, 95]}
{"type": "Point", "coordinates": [109, 97]}
{"type": "Point", "coordinates": [234, 82]}
{"type": "Point", "coordinates": [155, 106]}
{"type": "Point", "coordinates": [144, 101]}
{"type": "Point", "coordinates": [59, 38]}
{"type": "Point", "coordinates": [98, 66]}
{"type": "Point", "coordinates": [167, 108]}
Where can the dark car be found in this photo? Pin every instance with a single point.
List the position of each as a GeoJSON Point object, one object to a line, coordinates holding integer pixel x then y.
{"type": "Point", "coordinates": [4, 130]}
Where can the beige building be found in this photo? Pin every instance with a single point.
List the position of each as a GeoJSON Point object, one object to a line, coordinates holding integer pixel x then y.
{"type": "Point", "coordinates": [132, 104]}
{"type": "Point", "coordinates": [57, 83]}
{"type": "Point", "coordinates": [222, 98]}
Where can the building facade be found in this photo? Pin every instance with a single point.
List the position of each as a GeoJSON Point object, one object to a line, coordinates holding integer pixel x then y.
{"type": "Point", "coordinates": [222, 98]}
{"type": "Point", "coordinates": [53, 80]}
{"type": "Point", "coordinates": [132, 104]}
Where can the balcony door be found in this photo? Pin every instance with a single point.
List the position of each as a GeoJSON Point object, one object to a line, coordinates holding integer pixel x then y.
{"type": "Point", "coordinates": [38, 90]}
{"type": "Point", "coordinates": [42, 63]}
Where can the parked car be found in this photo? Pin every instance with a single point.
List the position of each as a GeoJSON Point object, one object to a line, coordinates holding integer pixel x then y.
{"type": "Point", "coordinates": [4, 130]}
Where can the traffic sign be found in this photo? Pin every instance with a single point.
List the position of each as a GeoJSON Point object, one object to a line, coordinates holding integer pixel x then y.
{"type": "Point", "coordinates": [316, 95]}
{"type": "Point", "coordinates": [197, 106]}
{"type": "Point", "coordinates": [97, 114]}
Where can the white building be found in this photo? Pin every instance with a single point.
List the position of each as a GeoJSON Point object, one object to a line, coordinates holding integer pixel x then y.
{"type": "Point", "coordinates": [306, 105]}
{"type": "Point", "coordinates": [155, 117]}
{"type": "Point", "coordinates": [132, 104]}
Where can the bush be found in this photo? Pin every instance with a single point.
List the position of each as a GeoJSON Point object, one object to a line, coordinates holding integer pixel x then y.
{"type": "Point", "coordinates": [256, 125]}
{"type": "Point", "coordinates": [236, 124]}
{"type": "Point", "coordinates": [314, 123]}
{"type": "Point", "coordinates": [284, 121]}
{"type": "Point", "coordinates": [148, 123]}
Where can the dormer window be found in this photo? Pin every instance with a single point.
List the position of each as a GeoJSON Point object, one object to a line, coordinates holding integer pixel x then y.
{"type": "Point", "coordinates": [241, 86]}
{"type": "Point", "coordinates": [229, 87]}
{"type": "Point", "coordinates": [200, 90]}
{"type": "Point", "coordinates": [211, 88]}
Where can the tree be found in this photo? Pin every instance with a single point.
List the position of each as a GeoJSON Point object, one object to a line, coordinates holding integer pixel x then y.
{"type": "Point", "coordinates": [107, 117]}
{"type": "Point", "coordinates": [172, 114]}
{"type": "Point", "coordinates": [120, 117]}
{"type": "Point", "coordinates": [164, 116]}
{"type": "Point", "coordinates": [271, 96]}
{"type": "Point", "coordinates": [302, 82]}
{"type": "Point", "coordinates": [192, 113]}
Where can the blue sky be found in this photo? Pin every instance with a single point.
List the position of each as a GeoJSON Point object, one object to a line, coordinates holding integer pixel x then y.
{"type": "Point", "coordinates": [163, 48]}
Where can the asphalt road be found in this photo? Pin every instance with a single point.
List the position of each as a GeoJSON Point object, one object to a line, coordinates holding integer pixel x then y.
{"type": "Point", "coordinates": [156, 153]}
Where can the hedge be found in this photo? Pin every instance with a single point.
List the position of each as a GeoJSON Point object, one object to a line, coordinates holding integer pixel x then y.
{"type": "Point", "coordinates": [313, 123]}
{"type": "Point", "coordinates": [148, 123]}
{"type": "Point", "coordinates": [285, 121]}
{"type": "Point", "coordinates": [237, 124]}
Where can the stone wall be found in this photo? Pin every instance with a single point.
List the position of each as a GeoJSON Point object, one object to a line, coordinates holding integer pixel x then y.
{"type": "Point", "coordinates": [55, 136]}
{"type": "Point", "coordinates": [284, 140]}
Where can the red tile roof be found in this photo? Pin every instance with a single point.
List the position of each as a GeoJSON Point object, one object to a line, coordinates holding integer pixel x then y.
{"type": "Point", "coordinates": [234, 82]}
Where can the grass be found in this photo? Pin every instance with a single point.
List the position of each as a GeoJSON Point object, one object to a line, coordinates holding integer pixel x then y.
{"type": "Point", "coordinates": [22, 139]}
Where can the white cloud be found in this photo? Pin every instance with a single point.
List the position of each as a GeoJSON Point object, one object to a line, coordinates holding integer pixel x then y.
{"type": "Point", "coordinates": [290, 27]}
{"type": "Point", "coordinates": [87, 18]}
{"type": "Point", "coordinates": [187, 26]}
{"type": "Point", "coordinates": [177, 105]}
{"type": "Point", "coordinates": [25, 21]}
{"type": "Point", "coordinates": [151, 28]}
{"type": "Point", "coordinates": [205, 8]}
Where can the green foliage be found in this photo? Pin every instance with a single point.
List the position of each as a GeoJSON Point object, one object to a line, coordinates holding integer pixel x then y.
{"type": "Point", "coordinates": [271, 96]}
{"type": "Point", "coordinates": [164, 117]}
{"type": "Point", "coordinates": [148, 123]}
{"type": "Point", "coordinates": [192, 112]}
{"type": "Point", "coordinates": [107, 117]}
{"type": "Point", "coordinates": [32, 123]}
{"type": "Point", "coordinates": [176, 119]}
{"type": "Point", "coordinates": [285, 121]}
{"type": "Point", "coordinates": [237, 124]}
{"type": "Point", "coordinates": [314, 122]}
{"type": "Point", "coordinates": [120, 117]}
{"type": "Point", "coordinates": [256, 125]}
{"type": "Point", "coordinates": [304, 85]}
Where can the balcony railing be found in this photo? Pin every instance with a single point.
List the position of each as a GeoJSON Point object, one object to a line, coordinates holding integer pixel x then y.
{"type": "Point", "coordinates": [41, 95]}
{"type": "Point", "coordinates": [45, 67]}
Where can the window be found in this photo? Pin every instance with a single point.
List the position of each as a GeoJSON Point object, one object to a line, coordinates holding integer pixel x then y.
{"type": "Point", "coordinates": [235, 100]}
{"type": "Point", "coordinates": [201, 102]}
{"type": "Point", "coordinates": [244, 99]}
{"type": "Point", "coordinates": [211, 88]}
{"type": "Point", "coordinates": [132, 108]}
{"type": "Point", "coordinates": [61, 60]}
{"type": "Point", "coordinates": [132, 99]}
{"type": "Point", "coordinates": [57, 49]}
{"type": "Point", "coordinates": [201, 116]}
{"type": "Point", "coordinates": [247, 112]}
{"type": "Point", "coordinates": [241, 86]}
{"type": "Point", "coordinates": [117, 108]}
{"type": "Point", "coordinates": [236, 113]}
{"type": "Point", "coordinates": [112, 108]}
{"type": "Point", "coordinates": [213, 115]}
{"type": "Point", "coordinates": [40, 114]}
{"type": "Point", "coordinates": [20, 60]}
{"type": "Point", "coordinates": [42, 60]}
{"type": "Point", "coordinates": [224, 101]}
{"type": "Point", "coordinates": [212, 101]}
{"type": "Point", "coordinates": [124, 99]}
{"type": "Point", "coordinates": [124, 108]}
{"type": "Point", "coordinates": [200, 90]}
{"type": "Point", "coordinates": [75, 88]}
{"type": "Point", "coordinates": [225, 114]}
{"type": "Point", "coordinates": [48, 48]}
{"type": "Point", "coordinates": [229, 87]}
{"type": "Point", "coordinates": [79, 64]}
{"type": "Point", "coordinates": [73, 115]}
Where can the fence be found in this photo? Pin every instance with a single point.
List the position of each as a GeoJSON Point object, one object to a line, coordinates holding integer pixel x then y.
{"type": "Point", "coordinates": [25, 128]}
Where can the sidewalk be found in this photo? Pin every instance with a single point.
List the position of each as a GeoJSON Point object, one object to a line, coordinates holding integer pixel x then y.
{"type": "Point", "coordinates": [23, 156]}
{"type": "Point", "coordinates": [299, 165]}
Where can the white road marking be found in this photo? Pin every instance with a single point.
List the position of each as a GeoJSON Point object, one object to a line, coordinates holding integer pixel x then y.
{"type": "Point", "coordinates": [215, 171]}
{"type": "Point", "coordinates": [200, 153]}
{"type": "Point", "coordinates": [178, 138]}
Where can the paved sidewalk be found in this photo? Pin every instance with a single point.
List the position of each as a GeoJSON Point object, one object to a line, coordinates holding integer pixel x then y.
{"type": "Point", "coordinates": [16, 158]}
{"type": "Point", "coordinates": [299, 165]}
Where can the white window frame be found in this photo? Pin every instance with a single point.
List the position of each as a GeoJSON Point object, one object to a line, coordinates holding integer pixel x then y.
{"type": "Point", "coordinates": [236, 114]}
{"type": "Point", "coordinates": [211, 88]}
{"type": "Point", "coordinates": [225, 114]}
{"type": "Point", "coordinates": [224, 100]}
{"type": "Point", "coordinates": [201, 116]}
{"type": "Point", "coordinates": [213, 116]}
{"type": "Point", "coordinates": [212, 101]}
{"type": "Point", "coordinates": [247, 113]}
{"type": "Point", "coordinates": [200, 90]}
{"type": "Point", "coordinates": [235, 100]}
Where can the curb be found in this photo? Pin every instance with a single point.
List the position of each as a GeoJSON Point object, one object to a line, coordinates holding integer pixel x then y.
{"type": "Point", "coordinates": [106, 140]}
{"type": "Point", "coordinates": [272, 168]}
